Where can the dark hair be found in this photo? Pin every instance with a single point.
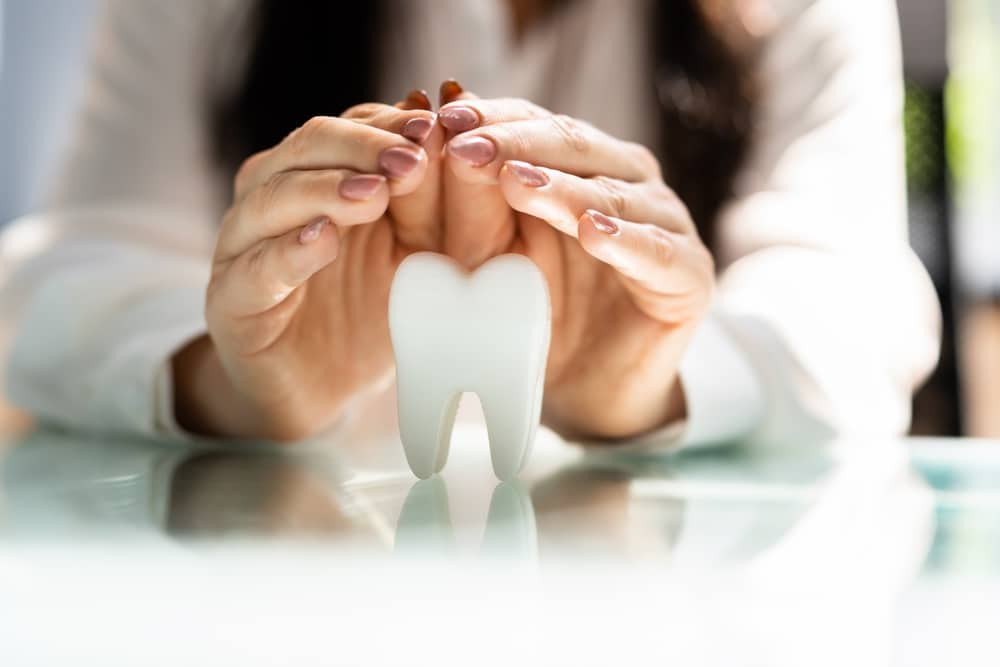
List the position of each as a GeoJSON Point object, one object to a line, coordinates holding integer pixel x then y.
{"type": "Point", "coordinates": [705, 82]}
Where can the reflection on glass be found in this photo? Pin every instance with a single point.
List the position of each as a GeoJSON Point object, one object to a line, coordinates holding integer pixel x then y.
{"type": "Point", "coordinates": [425, 527]}
{"type": "Point", "coordinates": [859, 516]}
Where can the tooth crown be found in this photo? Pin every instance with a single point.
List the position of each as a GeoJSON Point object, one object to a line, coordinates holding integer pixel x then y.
{"type": "Point", "coordinates": [486, 332]}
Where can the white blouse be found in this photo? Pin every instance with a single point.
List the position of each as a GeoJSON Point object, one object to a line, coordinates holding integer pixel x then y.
{"type": "Point", "coordinates": [823, 318]}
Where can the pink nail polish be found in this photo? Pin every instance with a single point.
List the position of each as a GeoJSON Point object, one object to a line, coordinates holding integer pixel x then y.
{"type": "Point", "coordinates": [360, 188]}
{"type": "Point", "coordinates": [417, 129]}
{"type": "Point", "coordinates": [528, 174]}
{"type": "Point", "coordinates": [477, 151]}
{"type": "Point", "coordinates": [459, 119]}
{"type": "Point", "coordinates": [603, 223]}
{"type": "Point", "coordinates": [398, 162]}
{"type": "Point", "coordinates": [312, 231]}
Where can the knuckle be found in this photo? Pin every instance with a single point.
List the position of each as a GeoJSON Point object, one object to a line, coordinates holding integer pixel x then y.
{"type": "Point", "coordinates": [662, 245]}
{"type": "Point", "coordinates": [616, 201]}
{"type": "Point", "coordinates": [511, 140]}
{"type": "Point", "coordinates": [255, 264]}
{"type": "Point", "coordinates": [267, 196]}
{"type": "Point", "coordinates": [573, 132]}
{"type": "Point", "coordinates": [301, 140]}
{"type": "Point", "coordinates": [378, 116]}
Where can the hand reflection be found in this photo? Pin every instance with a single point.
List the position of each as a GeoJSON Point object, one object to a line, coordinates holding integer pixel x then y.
{"type": "Point", "coordinates": [861, 519]}
{"type": "Point", "coordinates": [586, 509]}
{"type": "Point", "coordinates": [219, 494]}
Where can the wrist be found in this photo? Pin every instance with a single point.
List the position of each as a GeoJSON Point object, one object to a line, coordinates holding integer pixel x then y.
{"type": "Point", "coordinates": [207, 402]}
{"type": "Point", "coordinates": [204, 398]}
{"type": "Point", "coordinates": [590, 420]}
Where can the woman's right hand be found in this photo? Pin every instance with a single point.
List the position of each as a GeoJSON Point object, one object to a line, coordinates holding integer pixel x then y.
{"type": "Point", "coordinates": [296, 306]}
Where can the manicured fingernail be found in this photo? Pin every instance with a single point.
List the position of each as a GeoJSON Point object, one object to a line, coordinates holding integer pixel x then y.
{"type": "Point", "coordinates": [398, 162]}
{"type": "Point", "coordinates": [528, 174]}
{"type": "Point", "coordinates": [417, 99]}
{"type": "Point", "coordinates": [459, 119]}
{"type": "Point", "coordinates": [360, 187]}
{"type": "Point", "coordinates": [603, 223]}
{"type": "Point", "coordinates": [312, 231]}
{"type": "Point", "coordinates": [477, 151]}
{"type": "Point", "coordinates": [450, 90]}
{"type": "Point", "coordinates": [417, 129]}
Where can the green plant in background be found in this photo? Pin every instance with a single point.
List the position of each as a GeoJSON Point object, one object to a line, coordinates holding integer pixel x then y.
{"type": "Point", "coordinates": [972, 96]}
{"type": "Point", "coordinates": [922, 127]}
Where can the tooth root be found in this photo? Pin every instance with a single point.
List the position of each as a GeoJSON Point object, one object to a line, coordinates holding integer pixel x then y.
{"type": "Point", "coordinates": [512, 406]}
{"type": "Point", "coordinates": [425, 439]}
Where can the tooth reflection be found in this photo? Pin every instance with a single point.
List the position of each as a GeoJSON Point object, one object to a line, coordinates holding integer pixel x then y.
{"type": "Point", "coordinates": [425, 527]}
{"type": "Point", "coordinates": [511, 531]}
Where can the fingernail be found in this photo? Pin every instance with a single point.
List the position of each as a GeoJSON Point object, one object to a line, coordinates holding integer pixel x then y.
{"type": "Point", "coordinates": [417, 129]}
{"type": "Point", "coordinates": [528, 174]}
{"type": "Point", "coordinates": [360, 187]}
{"type": "Point", "coordinates": [450, 90]}
{"type": "Point", "coordinates": [603, 223]}
{"type": "Point", "coordinates": [459, 119]}
{"type": "Point", "coordinates": [312, 231]}
{"type": "Point", "coordinates": [418, 99]}
{"type": "Point", "coordinates": [477, 151]}
{"type": "Point", "coordinates": [398, 161]}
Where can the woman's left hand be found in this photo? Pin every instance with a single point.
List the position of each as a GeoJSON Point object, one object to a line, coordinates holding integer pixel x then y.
{"type": "Point", "coordinates": [629, 278]}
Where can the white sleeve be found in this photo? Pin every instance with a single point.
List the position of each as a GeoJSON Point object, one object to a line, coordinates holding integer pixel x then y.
{"type": "Point", "coordinates": [824, 320]}
{"type": "Point", "coordinates": [107, 282]}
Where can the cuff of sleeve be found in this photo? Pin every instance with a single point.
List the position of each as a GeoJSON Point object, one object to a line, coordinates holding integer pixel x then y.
{"type": "Point", "coordinates": [164, 420]}
{"type": "Point", "coordinates": [723, 393]}
{"type": "Point", "coordinates": [180, 311]}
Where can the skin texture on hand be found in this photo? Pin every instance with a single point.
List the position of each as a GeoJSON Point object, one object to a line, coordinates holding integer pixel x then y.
{"type": "Point", "coordinates": [628, 276]}
{"type": "Point", "coordinates": [298, 297]}
{"type": "Point", "coordinates": [296, 305]}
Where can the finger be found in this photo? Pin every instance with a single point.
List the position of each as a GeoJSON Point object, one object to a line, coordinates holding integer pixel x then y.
{"type": "Point", "coordinates": [291, 199]}
{"type": "Point", "coordinates": [558, 142]}
{"type": "Point", "coordinates": [479, 222]}
{"type": "Point", "coordinates": [661, 262]}
{"type": "Point", "coordinates": [415, 99]}
{"type": "Point", "coordinates": [450, 91]}
{"type": "Point", "coordinates": [467, 114]}
{"type": "Point", "coordinates": [668, 275]}
{"type": "Point", "coordinates": [413, 124]}
{"type": "Point", "coordinates": [262, 278]}
{"type": "Point", "coordinates": [560, 198]}
{"type": "Point", "coordinates": [341, 143]}
{"type": "Point", "coordinates": [416, 216]}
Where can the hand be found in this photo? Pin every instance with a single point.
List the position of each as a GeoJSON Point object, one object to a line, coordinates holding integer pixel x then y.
{"type": "Point", "coordinates": [293, 334]}
{"type": "Point", "coordinates": [628, 275]}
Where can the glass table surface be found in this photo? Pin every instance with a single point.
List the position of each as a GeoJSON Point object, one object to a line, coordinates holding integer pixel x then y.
{"type": "Point", "coordinates": [853, 551]}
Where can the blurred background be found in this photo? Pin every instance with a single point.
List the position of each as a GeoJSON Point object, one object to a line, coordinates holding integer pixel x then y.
{"type": "Point", "coordinates": [951, 53]}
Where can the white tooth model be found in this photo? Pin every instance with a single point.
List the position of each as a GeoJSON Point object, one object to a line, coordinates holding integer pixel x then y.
{"type": "Point", "coordinates": [485, 332]}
